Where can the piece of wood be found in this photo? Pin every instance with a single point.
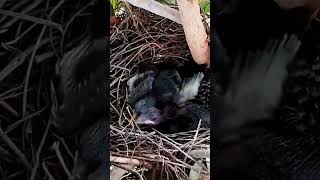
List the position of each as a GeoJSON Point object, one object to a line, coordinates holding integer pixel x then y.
{"type": "Point", "coordinates": [194, 30]}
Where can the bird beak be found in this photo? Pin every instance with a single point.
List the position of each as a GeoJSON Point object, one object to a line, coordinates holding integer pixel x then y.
{"type": "Point", "coordinates": [142, 121]}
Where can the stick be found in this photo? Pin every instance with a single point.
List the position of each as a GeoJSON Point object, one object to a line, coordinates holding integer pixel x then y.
{"type": "Point", "coordinates": [15, 149]}
{"type": "Point", "coordinates": [35, 168]}
{"type": "Point", "coordinates": [31, 18]}
{"type": "Point", "coordinates": [194, 30]}
{"type": "Point", "coordinates": [122, 160]}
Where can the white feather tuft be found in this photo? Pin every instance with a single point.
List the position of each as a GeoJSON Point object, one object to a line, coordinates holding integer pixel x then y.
{"type": "Point", "coordinates": [190, 88]}
{"type": "Point", "coordinates": [131, 81]}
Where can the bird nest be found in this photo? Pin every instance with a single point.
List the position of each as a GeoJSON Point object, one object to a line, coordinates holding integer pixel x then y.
{"type": "Point", "coordinates": [143, 37]}
{"type": "Point", "coordinates": [34, 36]}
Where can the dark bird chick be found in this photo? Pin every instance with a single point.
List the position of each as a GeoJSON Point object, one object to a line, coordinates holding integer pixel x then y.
{"type": "Point", "coordinates": [250, 99]}
{"type": "Point", "coordinates": [192, 108]}
{"type": "Point", "coordinates": [157, 98]}
{"type": "Point", "coordinates": [93, 151]}
{"type": "Point", "coordinates": [142, 98]}
{"type": "Point", "coordinates": [140, 85]}
{"type": "Point", "coordinates": [221, 64]}
{"type": "Point", "coordinates": [256, 85]}
{"type": "Point", "coordinates": [197, 111]}
{"type": "Point", "coordinates": [83, 87]}
{"type": "Point", "coordinates": [183, 114]}
{"type": "Point", "coordinates": [166, 87]}
{"type": "Point", "coordinates": [83, 101]}
{"type": "Point", "coordinates": [82, 77]}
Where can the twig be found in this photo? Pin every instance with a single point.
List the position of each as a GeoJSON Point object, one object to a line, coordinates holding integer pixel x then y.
{"type": "Point", "coordinates": [21, 35]}
{"type": "Point", "coordinates": [194, 139]}
{"type": "Point", "coordinates": [45, 168]}
{"type": "Point", "coordinates": [9, 108]}
{"type": "Point", "coordinates": [15, 124]}
{"type": "Point", "coordinates": [18, 60]}
{"type": "Point", "coordinates": [16, 150]}
{"type": "Point", "coordinates": [67, 148]}
{"type": "Point", "coordinates": [25, 93]}
{"type": "Point", "coordinates": [2, 95]}
{"type": "Point", "coordinates": [55, 147]}
{"type": "Point", "coordinates": [15, 174]}
{"type": "Point", "coordinates": [167, 138]}
{"type": "Point", "coordinates": [127, 161]}
{"type": "Point", "coordinates": [34, 171]}
{"type": "Point", "coordinates": [2, 3]}
{"type": "Point", "coordinates": [31, 18]}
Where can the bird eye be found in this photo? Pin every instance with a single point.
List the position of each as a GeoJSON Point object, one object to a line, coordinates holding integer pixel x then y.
{"type": "Point", "coordinates": [138, 113]}
{"type": "Point", "coordinates": [154, 119]}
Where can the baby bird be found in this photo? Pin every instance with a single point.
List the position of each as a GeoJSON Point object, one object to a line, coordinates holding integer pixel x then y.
{"type": "Point", "coordinates": [251, 97]}
{"type": "Point", "coordinates": [93, 151]}
{"type": "Point", "coordinates": [197, 111]}
{"type": "Point", "coordinates": [141, 84]}
{"type": "Point", "coordinates": [82, 86]}
{"type": "Point", "coordinates": [256, 86]}
{"type": "Point", "coordinates": [161, 93]}
{"type": "Point", "coordinates": [82, 78]}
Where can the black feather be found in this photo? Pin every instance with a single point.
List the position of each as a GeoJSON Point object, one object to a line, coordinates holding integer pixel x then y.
{"type": "Point", "coordinates": [82, 76]}
{"type": "Point", "coordinates": [83, 106]}
{"type": "Point", "coordinates": [252, 96]}
{"type": "Point", "coordinates": [256, 85]}
{"type": "Point", "coordinates": [93, 149]}
{"type": "Point", "coordinates": [167, 86]}
{"type": "Point", "coordinates": [83, 87]}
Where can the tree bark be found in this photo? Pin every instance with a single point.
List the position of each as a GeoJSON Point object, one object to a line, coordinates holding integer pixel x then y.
{"type": "Point", "coordinates": [194, 30]}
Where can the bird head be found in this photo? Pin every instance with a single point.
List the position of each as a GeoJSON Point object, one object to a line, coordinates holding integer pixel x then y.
{"type": "Point", "coordinates": [149, 117]}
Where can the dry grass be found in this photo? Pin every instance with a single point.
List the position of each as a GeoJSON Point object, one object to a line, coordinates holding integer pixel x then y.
{"type": "Point", "coordinates": [143, 37]}
{"type": "Point", "coordinates": [34, 36]}
{"type": "Point", "coordinates": [33, 40]}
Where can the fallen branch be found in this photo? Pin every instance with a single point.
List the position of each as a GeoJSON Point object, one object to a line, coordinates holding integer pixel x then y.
{"type": "Point", "coordinates": [194, 30]}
